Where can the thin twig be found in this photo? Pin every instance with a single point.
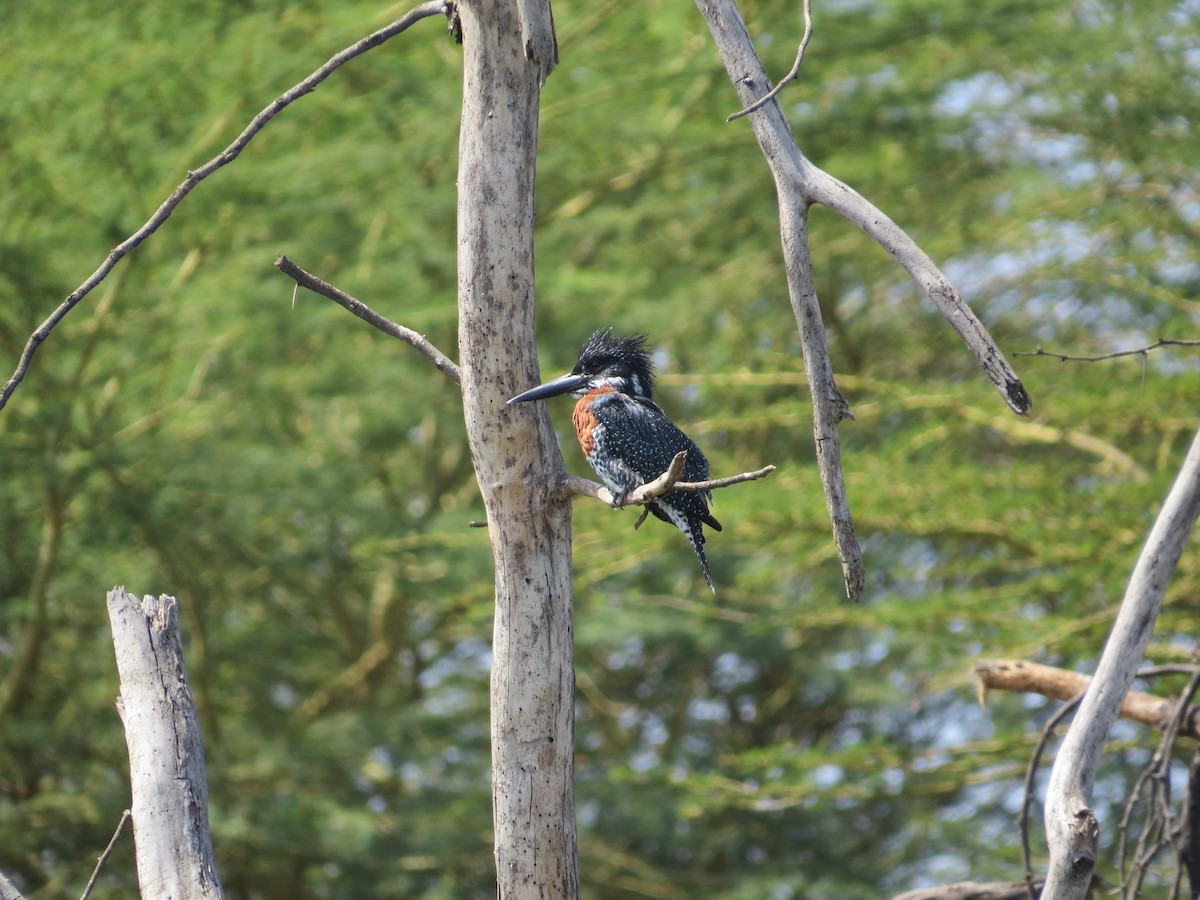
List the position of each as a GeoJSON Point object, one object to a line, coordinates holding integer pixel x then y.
{"type": "Point", "coordinates": [194, 177]}
{"type": "Point", "coordinates": [1139, 351]}
{"type": "Point", "coordinates": [1159, 826]}
{"type": "Point", "coordinates": [105, 855]}
{"type": "Point", "coordinates": [1189, 839]}
{"type": "Point", "coordinates": [724, 482]}
{"type": "Point", "coordinates": [419, 342]}
{"type": "Point", "coordinates": [1030, 773]}
{"type": "Point", "coordinates": [790, 76]}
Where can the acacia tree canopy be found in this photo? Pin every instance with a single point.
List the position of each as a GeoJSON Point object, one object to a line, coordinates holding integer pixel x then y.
{"type": "Point", "coordinates": [303, 485]}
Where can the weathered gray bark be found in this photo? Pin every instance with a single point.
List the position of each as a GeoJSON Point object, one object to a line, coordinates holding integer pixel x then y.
{"type": "Point", "coordinates": [1072, 828]}
{"type": "Point", "coordinates": [516, 456]}
{"type": "Point", "coordinates": [8, 890]}
{"type": "Point", "coordinates": [166, 757]}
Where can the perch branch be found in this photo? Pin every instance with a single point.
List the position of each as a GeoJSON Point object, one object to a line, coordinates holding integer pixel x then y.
{"type": "Point", "coordinates": [194, 177]}
{"type": "Point", "coordinates": [1072, 828]}
{"type": "Point", "coordinates": [574, 486]}
{"type": "Point", "coordinates": [1021, 676]}
{"type": "Point", "coordinates": [1116, 354]}
{"type": "Point", "coordinates": [790, 76]}
{"type": "Point", "coordinates": [419, 342]}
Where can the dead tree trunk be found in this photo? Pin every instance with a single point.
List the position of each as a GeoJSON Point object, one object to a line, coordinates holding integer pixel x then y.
{"type": "Point", "coordinates": [508, 49]}
{"type": "Point", "coordinates": [166, 758]}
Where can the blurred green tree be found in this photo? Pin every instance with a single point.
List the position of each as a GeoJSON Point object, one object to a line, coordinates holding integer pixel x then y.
{"type": "Point", "coordinates": [304, 487]}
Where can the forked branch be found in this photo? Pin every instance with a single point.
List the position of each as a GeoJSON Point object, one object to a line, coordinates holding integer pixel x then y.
{"type": "Point", "coordinates": [574, 486]}
{"type": "Point", "coordinates": [799, 184]}
{"type": "Point", "coordinates": [194, 177]}
{"type": "Point", "coordinates": [790, 76]}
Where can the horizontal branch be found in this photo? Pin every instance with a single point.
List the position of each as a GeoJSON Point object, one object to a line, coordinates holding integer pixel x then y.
{"type": "Point", "coordinates": [971, 890]}
{"type": "Point", "coordinates": [1021, 676]}
{"type": "Point", "coordinates": [1116, 354]}
{"type": "Point", "coordinates": [574, 486]}
{"type": "Point", "coordinates": [417, 341]}
{"type": "Point", "coordinates": [194, 177]}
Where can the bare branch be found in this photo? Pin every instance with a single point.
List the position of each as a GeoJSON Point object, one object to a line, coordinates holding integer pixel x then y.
{"type": "Point", "coordinates": [799, 184]}
{"type": "Point", "coordinates": [823, 188]}
{"type": "Point", "coordinates": [105, 855]}
{"type": "Point", "coordinates": [970, 890]}
{"type": "Point", "coordinates": [574, 486]}
{"type": "Point", "coordinates": [417, 341]}
{"type": "Point", "coordinates": [1021, 676]}
{"type": "Point", "coordinates": [790, 76]}
{"type": "Point", "coordinates": [715, 483]}
{"type": "Point", "coordinates": [226, 156]}
{"type": "Point", "coordinates": [1033, 884]}
{"type": "Point", "coordinates": [1139, 351]}
{"type": "Point", "coordinates": [1155, 781]}
{"type": "Point", "coordinates": [1071, 826]}
{"type": "Point", "coordinates": [1189, 839]}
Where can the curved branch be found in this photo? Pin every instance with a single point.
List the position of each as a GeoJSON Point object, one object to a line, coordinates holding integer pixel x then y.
{"type": "Point", "coordinates": [226, 156]}
{"type": "Point", "coordinates": [1071, 826]}
{"type": "Point", "coordinates": [790, 76]}
{"type": "Point", "coordinates": [823, 188]}
{"type": "Point", "coordinates": [417, 341]}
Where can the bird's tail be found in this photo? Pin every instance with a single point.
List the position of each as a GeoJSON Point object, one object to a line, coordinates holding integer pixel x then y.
{"type": "Point", "coordinates": [695, 534]}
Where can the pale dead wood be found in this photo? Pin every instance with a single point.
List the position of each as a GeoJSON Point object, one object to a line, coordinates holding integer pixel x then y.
{"type": "Point", "coordinates": [793, 72]}
{"type": "Point", "coordinates": [8, 890]}
{"type": "Point", "coordinates": [516, 458]}
{"type": "Point", "coordinates": [970, 890]}
{"type": "Point", "coordinates": [166, 756]}
{"type": "Point", "coordinates": [1072, 827]}
{"type": "Point", "coordinates": [195, 176]}
{"type": "Point", "coordinates": [1021, 676]}
{"type": "Point", "coordinates": [414, 339]}
{"type": "Point", "coordinates": [574, 486]}
{"type": "Point", "coordinates": [798, 185]}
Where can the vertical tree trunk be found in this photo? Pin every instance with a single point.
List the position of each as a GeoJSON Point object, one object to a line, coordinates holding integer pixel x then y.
{"type": "Point", "coordinates": [516, 456]}
{"type": "Point", "coordinates": [166, 757]}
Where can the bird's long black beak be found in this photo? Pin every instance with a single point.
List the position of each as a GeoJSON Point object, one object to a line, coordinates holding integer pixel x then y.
{"type": "Point", "coordinates": [564, 384]}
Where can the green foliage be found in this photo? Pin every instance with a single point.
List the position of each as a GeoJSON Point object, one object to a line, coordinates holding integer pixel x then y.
{"type": "Point", "coordinates": [303, 485]}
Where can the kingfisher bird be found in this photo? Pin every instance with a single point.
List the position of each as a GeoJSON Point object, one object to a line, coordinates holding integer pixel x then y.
{"type": "Point", "coordinates": [625, 435]}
